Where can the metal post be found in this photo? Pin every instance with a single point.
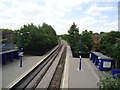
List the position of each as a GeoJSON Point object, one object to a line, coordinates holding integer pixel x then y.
{"type": "Point", "coordinates": [20, 49]}
{"type": "Point", "coordinates": [80, 66]}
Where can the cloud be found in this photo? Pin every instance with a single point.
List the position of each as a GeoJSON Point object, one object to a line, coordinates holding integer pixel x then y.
{"type": "Point", "coordinates": [96, 25]}
{"type": "Point", "coordinates": [111, 24]}
{"type": "Point", "coordinates": [16, 13]}
{"type": "Point", "coordinates": [79, 8]}
{"type": "Point", "coordinates": [86, 21]}
{"type": "Point", "coordinates": [105, 0]}
{"type": "Point", "coordinates": [104, 17]}
{"type": "Point", "coordinates": [96, 11]}
{"type": "Point", "coordinates": [106, 26]}
{"type": "Point", "coordinates": [21, 12]}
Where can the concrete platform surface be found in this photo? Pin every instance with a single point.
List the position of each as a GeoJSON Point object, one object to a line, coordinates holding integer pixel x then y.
{"type": "Point", "coordinates": [13, 71]}
{"type": "Point", "coordinates": [85, 78]}
{"type": "Point", "coordinates": [88, 77]}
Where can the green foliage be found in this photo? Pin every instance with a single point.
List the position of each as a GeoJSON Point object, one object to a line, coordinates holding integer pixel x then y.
{"type": "Point", "coordinates": [116, 54]}
{"type": "Point", "coordinates": [87, 41]}
{"type": "Point", "coordinates": [39, 39]}
{"type": "Point", "coordinates": [74, 38]}
{"type": "Point", "coordinates": [64, 36]}
{"type": "Point", "coordinates": [110, 46]}
{"type": "Point", "coordinates": [110, 83]}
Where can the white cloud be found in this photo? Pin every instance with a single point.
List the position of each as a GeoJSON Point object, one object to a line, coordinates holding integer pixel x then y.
{"type": "Point", "coordinates": [96, 11]}
{"type": "Point", "coordinates": [79, 8]}
{"type": "Point", "coordinates": [105, 0]}
{"type": "Point", "coordinates": [31, 11]}
{"type": "Point", "coordinates": [87, 21]}
{"type": "Point", "coordinates": [104, 17]}
{"type": "Point", "coordinates": [16, 13]}
{"type": "Point", "coordinates": [111, 24]}
{"type": "Point", "coordinates": [96, 25]}
{"type": "Point", "coordinates": [106, 26]}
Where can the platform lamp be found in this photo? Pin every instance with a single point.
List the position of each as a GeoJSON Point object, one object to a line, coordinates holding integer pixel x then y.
{"type": "Point", "coordinates": [80, 65]}
{"type": "Point", "coordinates": [21, 49]}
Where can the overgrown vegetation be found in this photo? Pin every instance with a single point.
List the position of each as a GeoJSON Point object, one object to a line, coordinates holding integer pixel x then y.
{"type": "Point", "coordinates": [73, 38]}
{"type": "Point", "coordinates": [110, 83]}
{"type": "Point", "coordinates": [39, 40]}
{"type": "Point", "coordinates": [87, 41]}
{"type": "Point", "coordinates": [110, 46]}
{"type": "Point", "coordinates": [109, 43]}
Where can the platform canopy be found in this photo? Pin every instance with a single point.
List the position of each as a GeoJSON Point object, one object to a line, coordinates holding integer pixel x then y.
{"type": "Point", "coordinates": [6, 46]}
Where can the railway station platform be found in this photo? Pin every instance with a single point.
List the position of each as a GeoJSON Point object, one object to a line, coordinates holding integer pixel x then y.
{"type": "Point", "coordinates": [88, 77]}
{"type": "Point", "coordinates": [85, 78]}
{"type": "Point", "coordinates": [11, 72]}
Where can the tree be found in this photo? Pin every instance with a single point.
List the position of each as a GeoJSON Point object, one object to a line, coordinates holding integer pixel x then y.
{"type": "Point", "coordinates": [74, 38]}
{"type": "Point", "coordinates": [109, 45]}
{"type": "Point", "coordinates": [87, 41]}
{"type": "Point", "coordinates": [64, 36]}
{"type": "Point", "coordinates": [116, 54]}
{"type": "Point", "coordinates": [39, 40]}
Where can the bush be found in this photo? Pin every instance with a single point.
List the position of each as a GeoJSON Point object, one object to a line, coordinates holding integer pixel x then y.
{"type": "Point", "coordinates": [110, 46]}
{"type": "Point", "coordinates": [110, 83]}
{"type": "Point", "coordinates": [39, 40]}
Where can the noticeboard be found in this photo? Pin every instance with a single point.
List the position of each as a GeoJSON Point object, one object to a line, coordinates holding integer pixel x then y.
{"type": "Point", "coordinates": [107, 64]}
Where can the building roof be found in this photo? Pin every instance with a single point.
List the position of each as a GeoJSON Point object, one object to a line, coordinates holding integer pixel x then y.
{"type": "Point", "coordinates": [6, 32]}
{"type": "Point", "coordinates": [7, 46]}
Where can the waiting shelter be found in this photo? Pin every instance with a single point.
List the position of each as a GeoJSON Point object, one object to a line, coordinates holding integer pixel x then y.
{"type": "Point", "coordinates": [103, 62]}
{"type": "Point", "coordinates": [8, 52]}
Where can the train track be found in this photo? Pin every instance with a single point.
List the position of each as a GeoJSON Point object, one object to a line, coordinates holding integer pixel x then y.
{"type": "Point", "coordinates": [46, 73]}
{"type": "Point", "coordinates": [56, 80]}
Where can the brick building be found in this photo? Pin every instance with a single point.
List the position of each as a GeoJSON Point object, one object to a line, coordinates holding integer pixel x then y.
{"type": "Point", "coordinates": [7, 35]}
{"type": "Point", "coordinates": [96, 40]}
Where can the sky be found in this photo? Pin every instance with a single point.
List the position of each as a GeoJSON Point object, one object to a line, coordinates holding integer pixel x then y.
{"type": "Point", "coordinates": [95, 15]}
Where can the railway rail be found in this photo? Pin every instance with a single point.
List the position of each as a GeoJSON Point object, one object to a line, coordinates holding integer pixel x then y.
{"type": "Point", "coordinates": [55, 82]}
{"type": "Point", "coordinates": [46, 73]}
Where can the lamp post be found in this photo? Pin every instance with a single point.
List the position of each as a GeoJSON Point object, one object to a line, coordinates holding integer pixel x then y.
{"type": "Point", "coordinates": [21, 49]}
{"type": "Point", "coordinates": [80, 65]}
